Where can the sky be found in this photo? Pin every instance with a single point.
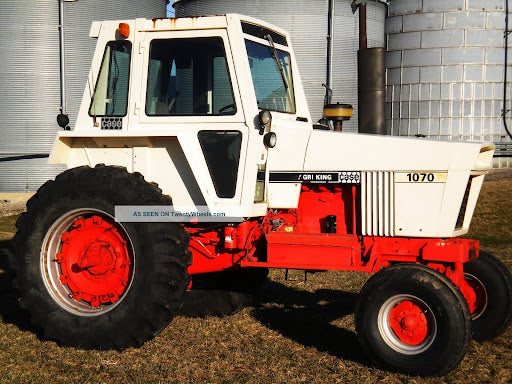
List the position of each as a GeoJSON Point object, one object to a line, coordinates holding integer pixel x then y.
{"type": "Point", "coordinates": [170, 9]}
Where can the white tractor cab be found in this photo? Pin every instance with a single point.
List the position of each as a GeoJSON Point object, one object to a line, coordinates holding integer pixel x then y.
{"type": "Point", "coordinates": [210, 112]}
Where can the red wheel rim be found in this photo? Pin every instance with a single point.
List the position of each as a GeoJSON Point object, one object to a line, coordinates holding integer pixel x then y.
{"type": "Point", "coordinates": [87, 262]}
{"type": "Point", "coordinates": [409, 323]}
{"type": "Point", "coordinates": [478, 288]}
{"type": "Point", "coordinates": [94, 260]}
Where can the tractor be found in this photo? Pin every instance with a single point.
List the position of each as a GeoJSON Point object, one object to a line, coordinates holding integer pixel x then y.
{"type": "Point", "coordinates": [194, 153]}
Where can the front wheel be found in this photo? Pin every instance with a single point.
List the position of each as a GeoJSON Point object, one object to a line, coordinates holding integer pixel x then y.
{"type": "Point", "coordinates": [492, 283]}
{"type": "Point", "coordinates": [89, 281]}
{"type": "Point", "coordinates": [412, 319]}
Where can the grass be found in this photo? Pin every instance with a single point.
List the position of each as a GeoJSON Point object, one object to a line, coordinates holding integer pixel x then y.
{"type": "Point", "coordinates": [7, 227]}
{"type": "Point", "coordinates": [492, 222]}
{"type": "Point", "coordinates": [295, 332]}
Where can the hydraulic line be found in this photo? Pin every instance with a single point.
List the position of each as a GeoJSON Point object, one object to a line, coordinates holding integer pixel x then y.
{"type": "Point", "coordinates": [61, 59]}
{"type": "Point", "coordinates": [504, 109]}
{"type": "Point", "coordinates": [330, 35]}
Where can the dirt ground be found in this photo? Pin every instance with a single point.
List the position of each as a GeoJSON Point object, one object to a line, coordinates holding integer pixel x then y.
{"type": "Point", "coordinates": [13, 203]}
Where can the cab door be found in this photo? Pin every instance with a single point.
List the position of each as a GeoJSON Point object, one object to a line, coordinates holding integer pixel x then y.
{"type": "Point", "coordinates": [189, 93]}
{"type": "Point", "coordinates": [278, 89]}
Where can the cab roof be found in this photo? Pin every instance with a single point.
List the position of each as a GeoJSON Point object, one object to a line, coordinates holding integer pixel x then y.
{"type": "Point", "coordinates": [184, 23]}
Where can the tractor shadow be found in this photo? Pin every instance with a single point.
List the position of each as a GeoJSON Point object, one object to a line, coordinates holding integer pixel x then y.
{"type": "Point", "coordinates": [307, 317]}
{"type": "Point", "coordinates": [10, 310]}
{"type": "Point", "coordinates": [302, 316]}
{"type": "Point", "coordinates": [211, 302]}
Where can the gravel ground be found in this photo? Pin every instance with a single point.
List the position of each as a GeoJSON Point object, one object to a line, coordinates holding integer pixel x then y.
{"type": "Point", "coordinates": [16, 206]}
{"type": "Point", "coordinates": [8, 207]}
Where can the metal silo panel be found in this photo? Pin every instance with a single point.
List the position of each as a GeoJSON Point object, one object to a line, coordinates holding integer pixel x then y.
{"type": "Point", "coordinates": [30, 77]}
{"type": "Point", "coordinates": [26, 175]}
{"type": "Point", "coordinates": [78, 17]}
{"type": "Point", "coordinates": [445, 70]}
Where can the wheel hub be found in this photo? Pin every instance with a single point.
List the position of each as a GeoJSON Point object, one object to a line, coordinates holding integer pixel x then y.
{"type": "Point", "coordinates": [479, 294]}
{"type": "Point", "coordinates": [94, 261]}
{"type": "Point", "coordinates": [409, 323]}
{"type": "Point", "coordinates": [98, 258]}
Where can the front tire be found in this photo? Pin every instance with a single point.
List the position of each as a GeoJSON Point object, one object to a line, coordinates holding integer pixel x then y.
{"type": "Point", "coordinates": [89, 281]}
{"type": "Point", "coordinates": [492, 283]}
{"type": "Point", "coordinates": [412, 319]}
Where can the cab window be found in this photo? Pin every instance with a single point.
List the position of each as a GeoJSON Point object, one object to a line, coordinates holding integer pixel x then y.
{"type": "Point", "coordinates": [111, 92]}
{"type": "Point", "coordinates": [189, 77]}
{"type": "Point", "coordinates": [272, 77]}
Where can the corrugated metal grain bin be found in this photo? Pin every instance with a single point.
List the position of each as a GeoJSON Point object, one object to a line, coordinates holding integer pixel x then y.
{"type": "Point", "coordinates": [30, 77]}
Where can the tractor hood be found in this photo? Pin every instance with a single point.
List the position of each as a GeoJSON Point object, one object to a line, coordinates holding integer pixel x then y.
{"type": "Point", "coordinates": [360, 152]}
{"type": "Point", "coordinates": [409, 186]}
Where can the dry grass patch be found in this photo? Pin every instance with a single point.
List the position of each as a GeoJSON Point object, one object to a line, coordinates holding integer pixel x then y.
{"type": "Point", "coordinates": [7, 227]}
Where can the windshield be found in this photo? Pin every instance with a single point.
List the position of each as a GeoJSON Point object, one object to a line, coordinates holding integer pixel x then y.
{"type": "Point", "coordinates": [273, 85]}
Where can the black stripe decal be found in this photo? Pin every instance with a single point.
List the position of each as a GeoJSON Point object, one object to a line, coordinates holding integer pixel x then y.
{"type": "Point", "coordinates": [331, 177]}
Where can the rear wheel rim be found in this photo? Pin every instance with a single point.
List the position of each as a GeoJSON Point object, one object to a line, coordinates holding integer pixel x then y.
{"type": "Point", "coordinates": [407, 324]}
{"type": "Point", "coordinates": [87, 262]}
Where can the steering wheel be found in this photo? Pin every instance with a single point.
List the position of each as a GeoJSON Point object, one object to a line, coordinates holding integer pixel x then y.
{"type": "Point", "coordinates": [226, 107]}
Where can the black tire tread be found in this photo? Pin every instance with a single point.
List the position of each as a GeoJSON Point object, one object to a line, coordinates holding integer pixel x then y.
{"type": "Point", "coordinates": [400, 274]}
{"type": "Point", "coordinates": [492, 324]}
{"type": "Point", "coordinates": [167, 242]}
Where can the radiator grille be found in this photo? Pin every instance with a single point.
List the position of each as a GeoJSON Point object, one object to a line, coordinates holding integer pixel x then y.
{"type": "Point", "coordinates": [377, 204]}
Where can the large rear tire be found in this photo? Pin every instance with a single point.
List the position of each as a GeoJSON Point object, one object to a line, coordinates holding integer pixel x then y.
{"type": "Point", "coordinates": [89, 281]}
{"type": "Point", "coordinates": [412, 319]}
{"type": "Point", "coordinates": [492, 283]}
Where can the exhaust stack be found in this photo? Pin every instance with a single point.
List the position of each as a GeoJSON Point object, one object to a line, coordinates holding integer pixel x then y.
{"type": "Point", "coordinates": [371, 83]}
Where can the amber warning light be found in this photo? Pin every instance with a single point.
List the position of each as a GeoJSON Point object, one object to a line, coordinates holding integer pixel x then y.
{"type": "Point", "coordinates": [123, 30]}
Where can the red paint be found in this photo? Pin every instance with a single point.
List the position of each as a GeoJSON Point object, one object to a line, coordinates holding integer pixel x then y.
{"type": "Point", "coordinates": [223, 247]}
{"type": "Point", "coordinates": [480, 301]}
{"type": "Point", "coordinates": [452, 250]}
{"type": "Point", "coordinates": [311, 251]}
{"type": "Point", "coordinates": [318, 202]}
{"type": "Point", "coordinates": [95, 262]}
{"type": "Point", "coordinates": [456, 275]}
{"type": "Point", "coordinates": [409, 323]}
{"type": "Point", "coordinates": [229, 237]}
{"type": "Point", "coordinates": [242, 234]}
{"type": "Point", "coordinates": [297, 239]}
